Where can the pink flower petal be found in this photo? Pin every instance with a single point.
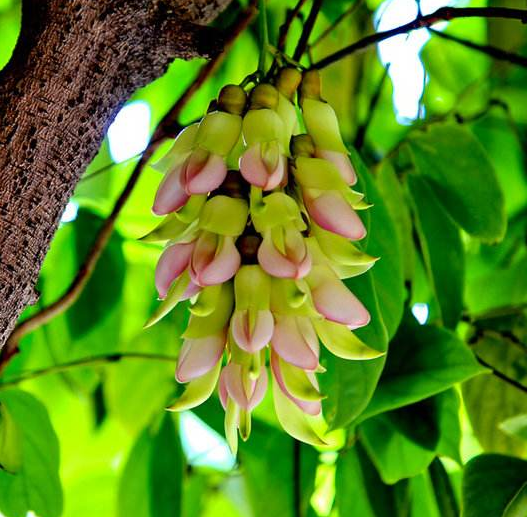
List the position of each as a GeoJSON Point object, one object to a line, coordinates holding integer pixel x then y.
{"type": "Point", "coordinates": [252, 339]}
{"type": "Point", "coordinates": [257, 167]}
{"type": "Point", "coordinates": [170, 195]}
{"type": "Point", "coordinates": [191, 290]}
{"type": "Point", "coordinates": [307, 406]}
{"type": "Point", "coordinates": [173, 261]}
{"type": "Point", "coordinates": [337, 303]}
{"type": "Point", "coordinates": [201, 176]}
{"type": "Point", "coordinates": [259, 389]}
{"type": "Point", "coordinates": [331, 212]}
{"type": "Point", "coordinates": [222, 389]}
{"type": "Point", "coordinates": [235, 386]}
{"type": "Point", "coordinates": [342, 162]}
{"type": "Point", "coordinates": [215, 260]}
{"type": "Point", "coordinates": [273, 262]}
{"type": "Point", "coordinates": [199, 356]}
{"type": "Point", "coordinates": [296, 263]}
{"type": "Point", "coordinates": [295, 340]}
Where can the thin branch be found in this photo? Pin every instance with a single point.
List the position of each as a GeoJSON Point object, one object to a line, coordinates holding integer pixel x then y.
{"type": "Point", "coordinates": [501, 375]}
{"type": "Point", "coordinates": [284, 28]}
{"type": "Point", "coordinates": [489, 50]}
{"type": "Point", "coordinates": [442, 14]}
{"type": "Point", "coordinates": [165, 127]}
{"type": "Point", "coordinates": [85, 361]}
{"type": "Point", "coordinates": [308, 28]}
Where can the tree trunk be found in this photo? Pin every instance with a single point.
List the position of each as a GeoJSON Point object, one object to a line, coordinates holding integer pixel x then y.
{"type": "Point", "coordinates": [75, 64]}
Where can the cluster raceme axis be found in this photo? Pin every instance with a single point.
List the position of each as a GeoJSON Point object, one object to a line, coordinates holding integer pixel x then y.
{"type": "Point", "coordinates": [259, 223]}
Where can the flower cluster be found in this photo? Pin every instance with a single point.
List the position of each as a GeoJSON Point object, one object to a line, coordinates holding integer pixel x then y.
{"type": "Point", "coordinates": [259, 223]}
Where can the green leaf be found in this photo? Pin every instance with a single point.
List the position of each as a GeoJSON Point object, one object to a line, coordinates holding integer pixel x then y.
{"type": "Point", "coordinates": [516, 508]}
{"type": "Point", "coordinates": [442, 250]}
{"type": "Point", "coordinates": [423, 360]}
{"type": "Point", "coordinates": [418, 422]}
{"type": "Point", "coordinates": [349, 385]}
{"type": "Point", "coordinates": [36, 485]}
{"type": "Point", "coordinates": [104, 289]}
{"type": "Point", "coordinates": [395, 456]}
{"type": "Point", "coordinates": [360, 491]}
{"type": "Point", "coordinates": [166, 471]}
{"type": "Point", "coordinates": [445, 497]}
{"type": "Point", "coordinates": [268, 460]}
{"type": "Point", "coordinates": [490, 483]}
{"type": "Point", "coordinates": [395, 200]}
{"type": "Point", "coordinates": [457, 168]}
{"type": "Point", "coordinates": [382, 241]}
{"type": "Point", "coordinates": [151, 482]}
{"type": "Point", "coordinates": [502, 401]}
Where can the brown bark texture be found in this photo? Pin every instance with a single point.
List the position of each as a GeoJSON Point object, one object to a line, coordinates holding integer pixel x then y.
{"type": "Point", "coordinates": [76, 62]}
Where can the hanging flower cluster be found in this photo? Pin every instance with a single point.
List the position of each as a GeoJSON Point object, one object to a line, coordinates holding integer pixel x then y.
{"type": "Point", "coordinates": [259, 223]}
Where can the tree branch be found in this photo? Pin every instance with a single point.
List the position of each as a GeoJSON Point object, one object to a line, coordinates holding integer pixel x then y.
{"type": "Point", "coordinates": [442, 14]}
{"type": "Point", "coordinates": [489, 50]}
{"type": "Point", "coordinates": [74, 65]}
{"type": "Point", "coordinates": [85, 361]}
{"type": "Point", "coordinates": [501, 375]}
{"type": "Point", "coordinates": [308, 28]}
{"type": "Point", "coordinates": [167, 126]}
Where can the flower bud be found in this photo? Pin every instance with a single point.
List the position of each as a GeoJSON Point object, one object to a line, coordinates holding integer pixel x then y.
{"type": "Point", "coordinates": [232, 99]}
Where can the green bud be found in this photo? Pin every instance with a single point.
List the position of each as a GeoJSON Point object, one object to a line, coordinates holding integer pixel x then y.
{"type": "Point", "coordinates": [232, 99]}
{"type": "Point", "coordinates": [288, 81]}
{"type": "Point", "coordinates": [302, 145]}
{"type": "Point", "coordinates": [264, 96]}
{"type": "Point", "coordinates": [310, 87]}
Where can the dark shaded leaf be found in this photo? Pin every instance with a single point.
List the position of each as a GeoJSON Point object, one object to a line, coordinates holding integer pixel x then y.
{"type": "Point", "coordinates": [463, 178]}
{"type": "Point", "coordinates": [490, 483]}
{"type": "Point", "coordinates": [442, 250]}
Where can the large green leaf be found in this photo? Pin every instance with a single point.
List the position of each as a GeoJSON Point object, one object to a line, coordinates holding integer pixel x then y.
{"type": "Point", "coordinates": [360, 490]}
{"type": "Point", "coordinates": [271, 462]}
{"type": "Point", "coordinates": [35, 484]}
{"type": "Point", "coordinates": [396, 202]}
{"type": "Point", "coordinates": [490, 483]}
{"type": "Point", "coordinates": [442, 250]}
{"type": "Point", "coordinates": [151, 482]}
{"type": "Point", "coordinates": [457, 168]}
{"type": "Point", "coordinates": [395, 456]}
{"type": "Point", "coordinates": [432, 423]}
{"type": "Point", "coordinates": [423, 360]}
{"type": "Point", "coordinates": [382, 240]}
{"type": "Point", "coordinates": [443, 491]}
{"type": "Point", "coordinates": [349, 385]}
{"type": "Point", "coordinates": [104, 289]}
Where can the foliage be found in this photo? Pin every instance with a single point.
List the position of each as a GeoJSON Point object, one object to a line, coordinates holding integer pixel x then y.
{"type": "Point", "coordinates": [436, 427]}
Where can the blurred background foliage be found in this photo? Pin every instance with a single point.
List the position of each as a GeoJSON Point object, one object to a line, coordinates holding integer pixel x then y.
{"type": "Point", "coordinates": [425, 431]}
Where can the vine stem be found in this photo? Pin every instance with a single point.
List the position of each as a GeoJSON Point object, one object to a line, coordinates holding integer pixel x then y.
{"type": "Point", "coordinates": [442, 14]}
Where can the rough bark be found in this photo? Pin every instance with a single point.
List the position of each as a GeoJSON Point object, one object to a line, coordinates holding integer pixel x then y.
{"type": "Point", "coordinates": [74, 65]}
